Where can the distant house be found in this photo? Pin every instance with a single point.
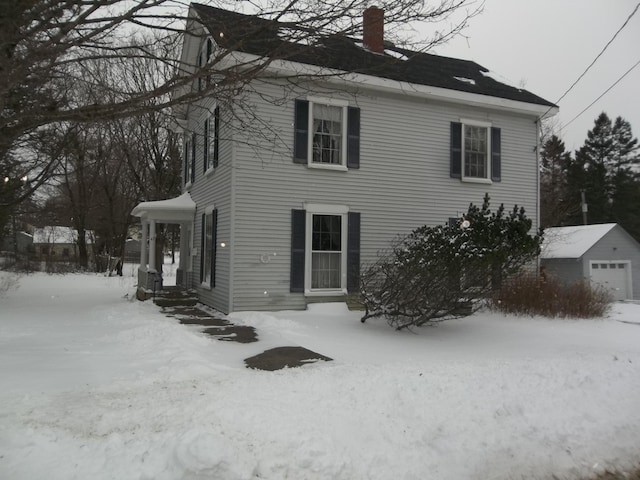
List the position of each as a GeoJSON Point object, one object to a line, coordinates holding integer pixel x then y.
{"type": "Point", "coordinates": [59, 243]}
{"type": "Point", "coordinates": [603, 254]}
{"type": "Point", "coordinates": [374, 141]}
{"type": "Point", "coordinates": [20, 243]}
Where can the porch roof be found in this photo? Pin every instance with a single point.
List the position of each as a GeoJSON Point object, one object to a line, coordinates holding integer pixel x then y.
{"type": "Point", "coordinates": [172, 210]}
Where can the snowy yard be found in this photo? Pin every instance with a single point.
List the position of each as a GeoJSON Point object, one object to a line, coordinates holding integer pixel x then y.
{"type": "Point", "coordinates": [94, 386]}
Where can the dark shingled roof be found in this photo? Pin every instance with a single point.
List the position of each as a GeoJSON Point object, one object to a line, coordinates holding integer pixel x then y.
{"type": "Point", "coordinates": [265, 38]}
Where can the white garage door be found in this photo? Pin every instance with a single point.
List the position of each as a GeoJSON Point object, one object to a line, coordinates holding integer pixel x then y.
{"type": "Point", "coordinates": [615, 276]}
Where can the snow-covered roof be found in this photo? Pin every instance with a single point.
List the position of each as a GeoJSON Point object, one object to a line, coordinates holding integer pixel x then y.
{"type": "Point", "coordinates": [574, 241]}
{"type": "Point", "coordinates": [55, 234]}
{"type": "Point", "coordinates": [170, 210]}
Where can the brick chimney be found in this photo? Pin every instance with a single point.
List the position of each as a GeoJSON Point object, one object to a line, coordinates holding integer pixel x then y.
{"type": "Point", "coordinates": [373, 28]}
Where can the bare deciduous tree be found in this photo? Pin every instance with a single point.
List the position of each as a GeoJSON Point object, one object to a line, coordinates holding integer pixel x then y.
{"type": "Point", "coordinates": [47, 48]}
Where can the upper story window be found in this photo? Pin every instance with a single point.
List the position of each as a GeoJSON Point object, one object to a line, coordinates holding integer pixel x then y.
{"type": "Point", "coordinates": [475, 152]}
{"type": "Point", "coordinates": [326, 134]}
{"type": "Point", "coordinates": [211, 140]}
{"type": "Point", "coordinates": [189, 158]}
{"type": "Point", "coordinates": [329, 137]}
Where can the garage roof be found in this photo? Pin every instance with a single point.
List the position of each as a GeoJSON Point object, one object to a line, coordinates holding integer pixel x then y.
{"type": "Point", "coordinates": [574, 241]}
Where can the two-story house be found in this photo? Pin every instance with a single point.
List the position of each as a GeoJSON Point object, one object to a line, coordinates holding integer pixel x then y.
{"type": "Point", "coordinates": [294, 186]}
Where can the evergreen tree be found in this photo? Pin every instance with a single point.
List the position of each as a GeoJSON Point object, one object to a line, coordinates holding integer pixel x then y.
{"type": "Point", "coordinates": [606, 169]}
{"type": "Point", "coordinates": [625, 180]}
{"type": "Point", "coordinates": [554, 204]}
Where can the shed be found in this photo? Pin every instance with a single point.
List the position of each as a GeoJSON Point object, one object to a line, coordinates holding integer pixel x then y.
{"type": "Point", "coordinates": [604, 254]}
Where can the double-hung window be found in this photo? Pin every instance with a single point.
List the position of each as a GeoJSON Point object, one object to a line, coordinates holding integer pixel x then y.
{"type": "Point", "coordinates": [211, 140]}
{"type": "Point", "coordinates": [326, 134]}
{"type": "Point", "coordinates": [208, 247]}
{"type": "Point", "coordinates": [188, 164]}
{"type": "Point", "coordinates": [475, 151]}
{"type": "Point", "coordinates": [325, 250]}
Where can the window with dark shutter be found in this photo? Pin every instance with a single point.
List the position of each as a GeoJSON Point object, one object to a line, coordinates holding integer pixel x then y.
{"type": "Point", "coordinates": [205, 154]}
{"type": "Point", "coordinates": [214, 248]}
{"type": "Point", "coordinates": [216, 139]}
{"type": "Point", "coordinates": [353, 137]}
{"type": "Point", "coordinates": [298, 229]}
{"type": "Point", "coordinates": [301, 131]}
{"type": "Point", "coordinates": [455, 161]}
{"type": "Point", "coordinates": [353, 252]}
{"type": "Point", "coordinates": [326, 126]}
{"type": "Point", "coordinates": [202, 246]}
{"type": "Point", "coordinates": [193, 157]}
{"type": "Point", "coordinates": [496, 160]}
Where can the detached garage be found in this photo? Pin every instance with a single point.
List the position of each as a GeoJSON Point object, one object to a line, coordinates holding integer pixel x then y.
{"type": "Point", "coordinates": [604, 254]}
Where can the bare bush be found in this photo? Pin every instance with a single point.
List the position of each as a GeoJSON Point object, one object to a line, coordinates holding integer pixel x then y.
{"type": "Point", "coordinates": [529, 294]}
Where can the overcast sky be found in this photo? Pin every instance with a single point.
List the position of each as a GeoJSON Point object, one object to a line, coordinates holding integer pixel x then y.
{"type": "Point", "coordinates": [544, 45]}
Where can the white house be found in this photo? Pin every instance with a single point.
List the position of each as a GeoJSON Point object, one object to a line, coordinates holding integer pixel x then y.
{"type": "Point", "coordinates": [373, 141]}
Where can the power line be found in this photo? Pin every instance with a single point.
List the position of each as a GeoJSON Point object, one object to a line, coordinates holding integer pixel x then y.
{"type": "Point", "coordinates": [595, 59]}
{"type": "Point", "coordinates": [601, 95]}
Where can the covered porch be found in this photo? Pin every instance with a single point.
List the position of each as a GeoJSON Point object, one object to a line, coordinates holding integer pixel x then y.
{"type": "Point", "coordinates": [179, 210]}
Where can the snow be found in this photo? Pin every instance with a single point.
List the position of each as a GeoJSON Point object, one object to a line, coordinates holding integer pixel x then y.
{"type": "Point", "coordinates": [95, 385]}
{"type": "Point", "coordinates": [465, 80]}
{"type": "Point", "coordinates": [574, 241]}
{"type": "Point", "coordinates": [180, 204]}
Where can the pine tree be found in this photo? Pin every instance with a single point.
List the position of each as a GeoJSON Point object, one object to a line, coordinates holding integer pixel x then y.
{"type": "Point", "coordinates": [554, 204]}
{"type": "Point", "coordinates": [606, 168]}
{"type": "Point", "coordinates": [625, 180]}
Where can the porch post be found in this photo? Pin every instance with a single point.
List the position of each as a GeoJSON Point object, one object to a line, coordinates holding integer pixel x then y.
{"type": "Point", "coordinates": [152, 246]}
{"type": "Point", "coordinates": [143, 246]}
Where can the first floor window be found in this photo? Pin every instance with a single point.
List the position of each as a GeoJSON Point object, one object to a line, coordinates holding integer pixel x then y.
{"type": "Point", "coordinates": [208, 248]}
{"type": "Point", "coordinates": [326, 252]}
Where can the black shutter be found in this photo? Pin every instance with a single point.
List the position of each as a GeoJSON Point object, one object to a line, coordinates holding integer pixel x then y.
{"type": "Point", "coordinates": [353, 137]}
{"type": "Point", "coordinates": [455, 162]}
{"type": "Point", "coordinates": [186, 160]}
{"type": "Point", "coordinates": [301, 131]}
{"type": "Point", "coordinates": [209, 48]}
{"type": "Point", "coordinates": [298, 230]}
{"type": "Point", "coordinates": [202, 246]}
{"type": "Point", "coordinates": [205, 154]}
{"type": "Point", "coordinates": [193, 157]}
{"type": "Point", "coordinates": [214, 246]}
{"type": "Point", "coordinates": [216, 140]}
{"type": "Point", "coordinates": [496, 160]}
{"type": "Point", "coordinates": [353, 252]}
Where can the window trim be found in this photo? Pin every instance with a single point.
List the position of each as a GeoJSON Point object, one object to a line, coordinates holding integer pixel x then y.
{"type": "Point", "coordinates": [331, 102]}
{"type": "Point", "coordinates": [342, 211]}
{"type": "Point", "coordinates": [487, 126]}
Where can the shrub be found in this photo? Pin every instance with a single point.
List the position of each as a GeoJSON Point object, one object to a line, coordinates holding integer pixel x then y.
{"type": "Point", "coordinates": [531, 295]}
{"type": "Point", "coordinates": [436, 273]}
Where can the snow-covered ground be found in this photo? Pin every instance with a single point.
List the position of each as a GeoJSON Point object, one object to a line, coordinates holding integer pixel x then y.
{"type": "Point", "coordinates": [95, 386]}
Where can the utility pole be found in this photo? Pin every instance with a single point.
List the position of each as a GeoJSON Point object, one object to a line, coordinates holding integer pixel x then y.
{"type": "Point", "coordinates": [583, 204]}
